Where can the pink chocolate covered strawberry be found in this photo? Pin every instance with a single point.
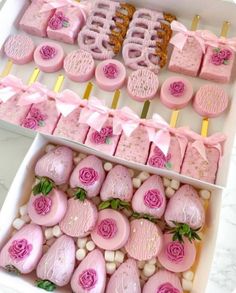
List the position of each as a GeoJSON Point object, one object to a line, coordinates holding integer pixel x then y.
{"type": "Point", "coordinates": [90, 275]}
{"type": "Point", "coordinates": [23, 251]}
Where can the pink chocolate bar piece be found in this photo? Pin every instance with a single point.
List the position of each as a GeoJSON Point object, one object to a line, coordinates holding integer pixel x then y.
{"type": "Point", "coordinates": [187, 61]}
{"type": "Point", "coordinates": [218, 64]}
{"type": "Point", "coordinates": [196, 167]}
{"type": "Point", "coordinates": [103, 140]}
{"type": "Point", "coordinates": [134, 148]}
{"type": "Point", "coordinates": [35, 22]}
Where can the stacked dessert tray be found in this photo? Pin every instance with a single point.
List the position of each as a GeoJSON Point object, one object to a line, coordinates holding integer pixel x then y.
{"type": "Point", "coordinates": [104, 213]}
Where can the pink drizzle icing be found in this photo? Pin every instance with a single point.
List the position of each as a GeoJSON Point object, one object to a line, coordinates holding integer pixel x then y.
{"type": "Point", "coordinates": [42, 205]}
{"type": "Point", "coordinates": [47, 52]}
{"type": "Point", "coordinates": [102, 136]}
{"type": "Point", "coordinates": [111, 70]}
{"type": "Point", "coordinates": [158, 159]}
{"type": "Point", "coordinates": [220, 56]}
{"type": "Point", "coordinates": [88, 176]}
{"type": "Point", "coordinates": [177, 88]}
{"type": "Point", "coordinates": [175, 251]}
{"type": "Point", "coordinates": [167, 288]}
{"type": "Point", "coordinates": [153, 198]}
{"type": "Point", "coordinates": [58, 21]}
{"type": "Point", "coordinates": [88, 279]}
{"type": "Point", "coordinates": [107, 228]}
{"type": "Point", "coordinates": [20, 249]}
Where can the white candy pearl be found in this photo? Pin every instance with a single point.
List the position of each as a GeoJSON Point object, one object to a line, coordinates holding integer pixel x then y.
{"type": "Point", "coordinates": [18, 223]}
{"type": "Point", "coordinates": [81, 242]}
{"type": "Point", "coordinates": [80, 254]}
{"type": "Point", "coordinates": [110, 268]}
{"type": "Point", "coordinates": [56, 231]}
{"type": "Point", "coordinates": [136, 182]}
{"type": "Point", "coordinates": [76, 160]}
{"type": "Point", "coordinates": [119, 256]}
{"type": "Point", "coordinates": [152, 261]}
{"type": "Point", "coordinates": [187, 285]}
{"type": "Point", "coordinates": [141, 264]}
{"type": "Point", "coordinates": [166, 182]}
{"type": "Point", "coordinates": [174, 184]}
{"type": "Point", "coordinates": [188, 275]}
{"type": "Point", "coordinates": [142, 276]}
{"type": "Point", "coordinates": [26, 218]}
{"type": "Point", "coordinates": [109, 255]}
{"type": "Point", "coordinates": [23, 210]}
{"type": "Point", "coordinates": [131, 172]}
{"type": "Point", "coordinates": [149, 270]}
{"type": "Point", "coordinates": [82, 156]}
{"type": "Point", "coordinates": [108, 166]}
{"type": "Point", "coordinates": [169, 192]}
{"type": "Point", "coordinates": [143, 176]}
{"type": "Point", "coordinates": [90, 245]}
{"type": "Point", "coordinates": [48, 233]}
{"type": "Point", "coordinates": [49, 148]}
{"type": "Point", "coordinates": [205, 194]}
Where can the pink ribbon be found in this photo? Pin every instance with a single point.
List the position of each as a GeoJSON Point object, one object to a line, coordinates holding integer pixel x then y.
{"type": "Point", "coordinates": [12, 85]}
{"type": "Point", "coordinates": [214, 41]}
{"type": "Point", "coordinates": [179, 39]}
{"type": "Point", "coordinates": [34, 94]}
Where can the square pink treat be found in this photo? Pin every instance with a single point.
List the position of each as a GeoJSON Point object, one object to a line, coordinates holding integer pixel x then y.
{"type": "Point", "coordinates": [70, 128]}
{"type": "Point", "coordinates": [65, 24]}
{"type": "Point", "coordinates": [196, 167]}
{"type": "Point", "coordinates": [104, 140]}
{"type": "Point", "coordinates": [187, 61]}
{"type": "Point", "coordinates": [134, 148]}
{"type": "Point", "coordinates": [218, 64]}
{"type": "Point", "coordinates": [173, 161]}
{"type": "Point", "coordinates": [35, 22]}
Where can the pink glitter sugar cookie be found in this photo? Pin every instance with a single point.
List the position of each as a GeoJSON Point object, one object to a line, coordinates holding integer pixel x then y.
{"type": "Point", "coordinates": [19, 49]}
{"type": "Point", "coordinates": [142, 85]}
{"type": "Point", "coordinates": [112, 230]}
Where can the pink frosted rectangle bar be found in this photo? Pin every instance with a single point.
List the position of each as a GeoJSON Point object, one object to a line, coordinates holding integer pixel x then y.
{"type": "Point", "coordinates": [196, 167]}
{"type": "Point", "coordinates": [134, 148]}
{"type": "Point", "coordinates": [218, 64]}
{"type": "Point", "coordinates": [173, 161]}
{"type": "Point", "coordinates": [70, 128]}
{"type": "Point", "coordinates": [104, 140]}
{"type": "Point", "coordinates": [187, 61]}
{"type": "Point", "coordinates": [35, 22]}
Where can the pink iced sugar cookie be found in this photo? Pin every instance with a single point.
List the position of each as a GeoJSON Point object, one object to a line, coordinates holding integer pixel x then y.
{"type": "Point", "coordinates": [90, 275]}
{"type": "Point", "coordinates": [185, 207]}
{"type": "Point", "coordinates": [88, 176]}
{"type": "Point", "coordinates": [112, 230]}
{"type": "Point", "coordinates": [19, 49]}
{"type": "Point", "coordinates": [118, 184]}
{"type": "Point", "coordinates": [195, 166]}
{"type": "Point", "coordinates": [23, 251]}
{"type": "Point", "coordinates": [56, 164]}
{"type": "Point", "coordinates": [125, 279]}
{"type": "Point", "coordinates": [218, 64]}
{"type": "Point", "coordinates": [47, 210]}
{"type": "Point", "coordinates": [187, 61]}
{"type": "Point", "coordinates": [176, 92]}
{"type": "Point", "coordinates": [177, 256]}
{"type": "Point", "coordinates": [135, 147]}
{"type": "Point", "coordinates": [145, 241]}
{"type": "Point", "coordinates": [142, 85]}
{"type": "Point", "coordinates": [110, 75]}
{"type": "Point", "coordinates": [150, 197]}
{"type": "Point", "coordinates": [79, 66]}
{"type": "Point", "coordinates": [210, 101]}
{"type": "Point", "coordinates": [80, 218]}
{"type": "Point", "coordinates": [103, 140]}
{"type": "Point", "coordinates": [57, 264]}
{"type": "Point", "coordinates": [49, 57]}
{"type": "Point", "coordinates": [34, 21]}
{"type": "Point", "coordinates": [163, 282]}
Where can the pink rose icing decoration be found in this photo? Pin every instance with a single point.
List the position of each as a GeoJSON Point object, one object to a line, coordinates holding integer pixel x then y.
{"type": "Point", "coordinates": [47, 52]}
{"type": "Point", "coordinates": [220, 56]}
{"type": "Point", "coordinates": [88, 176]}
{"type": "Point", "coordinates": [58, 21]}
{"type": "Point", "coordinates": [35, 113]}
{"type": "Point", "coordinates": [175, 251]}
{"type": "Point", "coordinates": [158, 159]}
{"type": "Point", "coordinates": [35, 119]}
{"type": "Point", "coordinates": [107, 228]}
{"type": "Point", "coordinates": [101, 137]}
{"type": "Point", "coordinates": [30, 123]}
{"type": "Point", "coordinates": [167, 288]}
{"type": "Point", "coordinates": [111, 70]}
{"type": "Point", "coordinates": [177, 88]}
{"type": "Point", "coordinates": [153, 199]}
{"type": "Point", "coordinates": [88, 279]}
{"type": "Point", "coordinates": [42, 205]}
{"type": "Point", "coordinates": [215, 59]}
{"type": "Point", "coordinates": [20, 249]}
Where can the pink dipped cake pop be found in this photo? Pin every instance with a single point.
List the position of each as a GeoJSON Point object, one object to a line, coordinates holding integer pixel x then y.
{"type": "Point", "coordinates": [112, 230]}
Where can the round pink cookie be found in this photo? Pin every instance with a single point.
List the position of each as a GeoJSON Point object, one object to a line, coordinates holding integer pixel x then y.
{"type": "Point", "coordinates": [49, 57]}
{"type": "Point", "coordinates": [112, 230]}
{"type": "Point", "coordinates": [110, 75]}
{"type": "Point", "coordinates": [176, 256]}
{"type": "Point", "coordinates": [47, 210]}
{"type": "Point", "coordinates": [20, 49]}
{"type": "Point", "coordinates": [145, 241]}
{"type": "Point", "coordinates": [210, 101]}
{"type": "Point", "coordinates": [142, 85]}
{"type": "Point", "coordinates": [176, 92]}
{"type": "Point", "coordinates": [163, 282]}
{"type": "Point", "coordinates": [79, 66]}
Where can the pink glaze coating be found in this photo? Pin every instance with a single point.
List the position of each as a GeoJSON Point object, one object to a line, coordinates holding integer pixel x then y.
{"type": "Point", "coordinates": [47, 210]}
{"type": "Point", "coordinates": [19, 49]}
{"type": "Point", "coordinates": [112, 230]}
{"type": "Point", "coordinates": [23, 250]}
{"type": "Point", "coordinates": [80, 218]}
{"type": "Point", "coordinates": [210, 101]}
{"type": "Point", "coordinates": [110, 75]}
{"type": "Point", "coordinates": [145, 241]}
{"type": "Point", "coordinates": [49, 57]}
{"type": "Point", "coordinates": [57, 264]}
{"type": "Point", "coordinates": [56, 164]}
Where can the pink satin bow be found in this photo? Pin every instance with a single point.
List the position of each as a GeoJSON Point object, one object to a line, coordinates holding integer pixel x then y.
{"type": "Point", "coordinates": [11, 86]}
{"type": "Point", "coordinates": [34, 94]}
{"type": "Point", "coordinates": [214, 41]}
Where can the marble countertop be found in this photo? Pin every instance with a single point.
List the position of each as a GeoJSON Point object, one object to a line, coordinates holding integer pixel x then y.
{"type": "Point", "coordinates": [13, 148]}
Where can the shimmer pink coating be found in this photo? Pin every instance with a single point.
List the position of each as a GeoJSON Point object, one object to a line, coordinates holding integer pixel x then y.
{"type": "Point", "coordinates": [210, 101]}
{"type": "Point", "coordinates": [49, 57]}
{"type": "Point", "coordinates": [112, 230]}
{"type": "Point", "coordinates": [176, 92]}
{"type": "Point", "coordinates": [142, 85]}
{"type": "Point", "coordinates": [19, 49]}
{"type": "Point", "coordinates": [110, 75]}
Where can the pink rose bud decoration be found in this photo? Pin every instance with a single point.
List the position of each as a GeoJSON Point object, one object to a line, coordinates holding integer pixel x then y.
{"type": "Point", "coordinates": [177, 88]}
{"type": "Point", "coordinates": [47, 52]}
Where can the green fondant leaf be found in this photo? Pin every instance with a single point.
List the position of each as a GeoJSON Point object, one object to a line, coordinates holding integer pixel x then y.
{"type": "Point", "coordinates": [80, 194]}
{"type": "Point", "coordinates": [182, 230]}
{"type": "Point", "coordinates": [226, 62]}
{"type": "Point", "coordinates": [217, 50]}
{"type": "Point", "coordinates": [104, 205]}
{"type": "Point", "coordinates": [44, 186]}
{"type": "Point", "coordinates": [12, 269]}
{"type": "Point", "coordinates": [41, 123]}
{"type": "Point", "coordinates": [46, 285]}
{"type": "Point", "coordinates": [168, 165]}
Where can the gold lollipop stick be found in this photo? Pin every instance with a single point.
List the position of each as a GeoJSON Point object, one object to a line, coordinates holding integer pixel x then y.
{"type": "Point", "coordinates": [7, 69]}
{"type": "Point", "coordinates": [145, 109]}
{"type": "Point", "coordinates": [195, 22]}
{"type": "Point", "coordinates": [225, 29]}
{"type": "Point", "coordinates": [87, 91]}
{"type": "Point", "coordinates": [34, 76]}
{"type": "Point", "coordinates": [115, 99]}
{"type": "Point", "coordinates": [58, 84]}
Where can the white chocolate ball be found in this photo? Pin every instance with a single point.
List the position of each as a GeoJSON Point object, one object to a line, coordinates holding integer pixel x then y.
{"type": "Point", "coordinates": [80, 254]}
{"type": "Point", "coordinates": [143, 176]}
{"type": "Point", "coordinates": [90, 245]}
{"type": "Point", "coordinates": [18, 223]}
{"type": "Point", "coordinates": [169, 192]}
{"type": "Point", "coordinates": [56, 231]}
{"type": "Point", "coordinates": [119, 256]}
{"type": "Point", "coordinates": [174, 184]}
{"type": "Point", "coordinates": [76, 160]}
{"type": "Point", "coordinates": [136, 182]}
{"type": "Point", "coordinates": [142, 276]}
{"type": "Point", "coordinates": [82, 156]}
{"type": "Point", "coordinates": [48, 233]}
{"type": "Point", "coordinates": [149, 270]}
{"type": "Point", "coordinates": [109, 255]}
{"type": "Point", "coordinates": [23, 210]}
{"type": "Point", "coordinates": [107, 166]}
{"type": "Point", "coordinates": [81, 242]}
{"type": "Point", "coordinates": [188, 275]}
{"type": "Point", "coordinates": [205, 194]}
{"type": "Point", "coordinates": [166, 182]}
{"type": "Point", "coordinates": [152, 261]}
{"type": "Point", "coordinates": [187, 285]}
{"type": "Point", "coordinates": [110, 268]}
